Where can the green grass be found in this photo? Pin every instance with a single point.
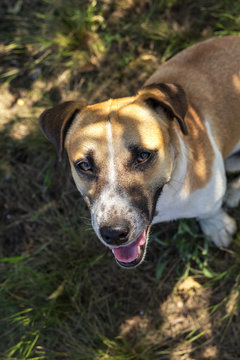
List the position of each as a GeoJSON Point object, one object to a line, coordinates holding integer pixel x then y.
{"type": "Point", "coordinates": [62, 296]}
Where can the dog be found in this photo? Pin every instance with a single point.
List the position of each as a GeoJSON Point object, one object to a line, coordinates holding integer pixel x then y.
{"type": "Point", "coordinates": [160, 155]}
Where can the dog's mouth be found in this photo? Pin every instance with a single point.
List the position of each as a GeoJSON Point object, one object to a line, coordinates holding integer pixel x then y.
{"type": "Point", "coordinates": [133, 254]}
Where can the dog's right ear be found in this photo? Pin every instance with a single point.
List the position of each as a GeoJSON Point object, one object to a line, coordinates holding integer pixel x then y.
{"type": "Point", "coordinates": [170, 97]}
{"type": "Point", "coordinates": [55, 123]}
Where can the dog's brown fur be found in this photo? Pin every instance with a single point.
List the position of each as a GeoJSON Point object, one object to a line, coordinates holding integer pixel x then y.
{"type": "Point", "coordinates": [186, 118]}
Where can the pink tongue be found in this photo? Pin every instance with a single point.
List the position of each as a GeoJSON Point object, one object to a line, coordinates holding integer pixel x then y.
{"type": "Point", "coordinates": [130, 252]}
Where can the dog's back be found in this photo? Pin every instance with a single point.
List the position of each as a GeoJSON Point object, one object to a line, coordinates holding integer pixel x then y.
{"type": "Point", "coordinates": [209, 72]}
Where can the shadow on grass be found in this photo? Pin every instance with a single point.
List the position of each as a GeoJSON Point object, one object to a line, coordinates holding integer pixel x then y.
{"type": "Point", "coordinates": [97, 41]}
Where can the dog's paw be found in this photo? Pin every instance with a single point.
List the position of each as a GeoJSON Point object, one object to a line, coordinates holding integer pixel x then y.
{"type": "Point", "coordinates": [219, 228]}
{"type": "Point", "coordinates": [232, 196]}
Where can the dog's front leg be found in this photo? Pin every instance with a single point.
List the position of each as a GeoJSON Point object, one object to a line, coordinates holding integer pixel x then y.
{"type": "Point", "coordinates": [232, 196]}
{"type": "Point", "coordinates": [219, 227]}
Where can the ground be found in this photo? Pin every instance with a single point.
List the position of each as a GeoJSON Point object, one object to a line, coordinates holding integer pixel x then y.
{"type": "Point", "coordinates": [62, 294]}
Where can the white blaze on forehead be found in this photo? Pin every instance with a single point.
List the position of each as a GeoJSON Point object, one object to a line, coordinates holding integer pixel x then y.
{"type": "Point", "coordinates": [111, 165]}
{"type": "Point", "coordinates": [110, 205]}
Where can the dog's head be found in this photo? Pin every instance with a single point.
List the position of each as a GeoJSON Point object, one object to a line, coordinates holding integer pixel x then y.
{"type": "Point", "coordinates": [121, 157]}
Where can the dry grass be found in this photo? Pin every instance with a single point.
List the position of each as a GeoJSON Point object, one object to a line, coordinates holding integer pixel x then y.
{"type": "Point", "coordinates": [62, 295]}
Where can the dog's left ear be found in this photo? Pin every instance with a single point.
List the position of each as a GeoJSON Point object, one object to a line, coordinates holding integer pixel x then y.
{"type": "Point", "coordinates": [169, 97]}
{"type": "Point", "coordinates": [55, 123]}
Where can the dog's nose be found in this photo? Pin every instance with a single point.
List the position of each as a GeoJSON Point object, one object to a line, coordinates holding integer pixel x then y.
{"type": "Point", "coordinates": [116, 235]}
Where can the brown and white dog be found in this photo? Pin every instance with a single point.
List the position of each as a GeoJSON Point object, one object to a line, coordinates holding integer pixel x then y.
{"type": "Point", "coordinates": [159, 155]}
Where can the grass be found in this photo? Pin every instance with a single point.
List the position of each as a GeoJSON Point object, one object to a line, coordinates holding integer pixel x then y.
{"type": "Point", "coordinates": [61, 294]}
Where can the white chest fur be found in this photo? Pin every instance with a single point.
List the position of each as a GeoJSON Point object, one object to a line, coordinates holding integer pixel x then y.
{"type": "Point", "coordinates": [176, 201]}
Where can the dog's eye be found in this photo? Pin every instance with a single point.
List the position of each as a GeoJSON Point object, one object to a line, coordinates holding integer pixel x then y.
{"type": "Point", "coordinates": [84, 166]}
{"type": "Point", "coordinates": [142, 157]}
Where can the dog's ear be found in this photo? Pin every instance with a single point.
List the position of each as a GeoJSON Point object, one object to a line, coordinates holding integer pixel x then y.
{"type": "Point", "coordinates": [55, 123]}
{"type": "Point", "coordinates": [168, 97]}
